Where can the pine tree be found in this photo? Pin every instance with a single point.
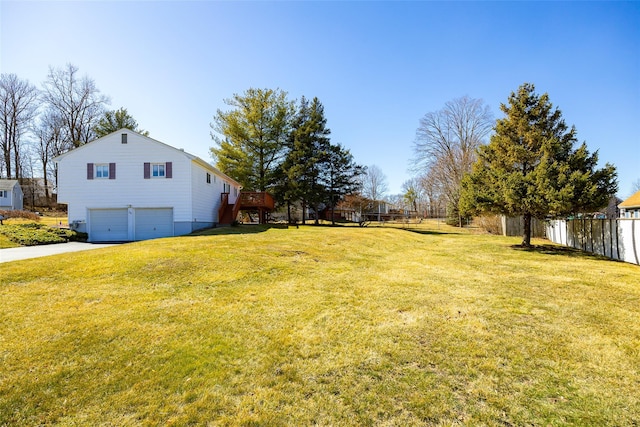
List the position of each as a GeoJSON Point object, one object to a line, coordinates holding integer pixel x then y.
{"type": "Point", "coordinates": [251, 138]}
{"type": "Point", "coordinates": [530, 166]}
{"type": "Point", "coordinates": [340, 176]}
{"type": "Point", "coordinates": [115, 120]}
{"type": "Point", "coordinates": [309, 146]}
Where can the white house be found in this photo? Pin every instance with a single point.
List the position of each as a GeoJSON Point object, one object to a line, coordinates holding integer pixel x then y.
{"type": "Point", "coordinates": [10, 195]}
{"type": "Point", "coordinates": [630, 208]}
{"type": "Point", "coordinates": [126, 186]}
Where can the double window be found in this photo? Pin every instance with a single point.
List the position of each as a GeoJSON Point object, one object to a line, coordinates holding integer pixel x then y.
{"type": "Point", "coordinates": [3, 194]}
{"type": "Point", "coordinates": [102, 171]}
{"type": "Point", "coordinates": [158, 170]}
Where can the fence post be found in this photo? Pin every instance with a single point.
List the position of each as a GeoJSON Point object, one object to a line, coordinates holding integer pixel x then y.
{"type": "Point", "coordinates": [633, 240]}
{"type": "Point", "coordinates": [617, 241]}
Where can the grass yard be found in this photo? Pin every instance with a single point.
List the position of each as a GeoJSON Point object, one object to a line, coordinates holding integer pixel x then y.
{"type": "Point", "coordinates": [320, 325]}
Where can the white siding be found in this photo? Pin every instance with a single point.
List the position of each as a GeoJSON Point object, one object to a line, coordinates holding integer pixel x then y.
{"type": "Point", "coordinates": [129, 188]}
{"type": "Point", "coordinates": [206, 196]}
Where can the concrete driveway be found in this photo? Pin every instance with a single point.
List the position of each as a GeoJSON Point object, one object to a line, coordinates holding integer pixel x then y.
{"type": "Point", "coordinates": [26, 252]}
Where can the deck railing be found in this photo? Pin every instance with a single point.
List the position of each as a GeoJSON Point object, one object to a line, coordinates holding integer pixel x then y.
{"type": "Point", "coordinates": [256, 199]}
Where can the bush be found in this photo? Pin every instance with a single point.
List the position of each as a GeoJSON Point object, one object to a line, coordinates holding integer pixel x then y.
{"type": "Point", "coordinates": [33, 234]}
{"type": "Point", "coordinates": [489, 223]}
{"type": "Point", "coordinates": [20, 214]}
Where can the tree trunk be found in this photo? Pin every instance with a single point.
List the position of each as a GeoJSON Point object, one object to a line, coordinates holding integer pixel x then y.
{"type": "Point", "coordinates": [304, 209]}
{"type": "Point", "coordinates": [526, 234]}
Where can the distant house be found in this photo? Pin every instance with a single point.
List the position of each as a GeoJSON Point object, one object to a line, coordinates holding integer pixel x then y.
{"type": "Point", "coordinates": [126, 186]}
{"type": "Point", "coordinates": [630, 208]}
{"type": "Point", "coordinates": [10, 195]}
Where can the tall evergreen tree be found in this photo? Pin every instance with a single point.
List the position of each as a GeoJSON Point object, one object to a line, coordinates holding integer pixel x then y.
{"type": "Point", "coordinates": [340, 176]}
{"type": "Point", "coordinates": [530, 166]}
{"type": "Point", "coordinates": [309, 146]}
{"type": "Point", "coordinates": [251, 137]}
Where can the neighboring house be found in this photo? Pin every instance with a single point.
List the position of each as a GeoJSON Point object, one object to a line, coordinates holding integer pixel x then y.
{"type": "Point", "coordinates": [126, 186]}
{"type": "Point", "coordinates": [630, 208]}
{"type": "Point", "coordinates": [10, 195]}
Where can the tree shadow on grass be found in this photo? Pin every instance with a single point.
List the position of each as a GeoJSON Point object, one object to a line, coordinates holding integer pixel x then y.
{"type": "Point", "coordinates": [562, 251]}
{"type": "Point", "coordinates": [239, 229]}
{"type": "Point", "coordinates": [428, 232]}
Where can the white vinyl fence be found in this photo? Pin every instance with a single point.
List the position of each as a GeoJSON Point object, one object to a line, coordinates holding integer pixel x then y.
{"type": "Point", "coordinates": [614, 238]}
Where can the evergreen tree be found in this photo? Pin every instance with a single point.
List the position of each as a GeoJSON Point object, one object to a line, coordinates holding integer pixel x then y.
{"type": "Point", "coordinates": [309, 146]}
{"type": "Point", "coordinates": [530, 167]}
{"type": "Point", "coordinates": [115, 120]}
{"type": "Point", "coordinates": [340, 176]}
{"type": "Point", "coordinates": [251, 137]}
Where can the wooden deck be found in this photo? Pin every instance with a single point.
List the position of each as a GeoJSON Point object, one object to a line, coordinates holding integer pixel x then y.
{"type": "Point", "coordinates": [247, 200]}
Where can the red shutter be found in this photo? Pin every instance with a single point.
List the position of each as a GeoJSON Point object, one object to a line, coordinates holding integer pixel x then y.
{"type": "Point", "coordinates": [112, 171]}
{"type": "Point", "coordinates": [89, 170]}
{"type": "Point", "coordinates": [147, 170]}
{"type": "Point", "coordinates": [168, 171]}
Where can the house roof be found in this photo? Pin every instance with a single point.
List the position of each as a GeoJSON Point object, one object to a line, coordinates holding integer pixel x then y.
{"type": "Point", "coordinates": [194, 158]}
{"type": "Point", "coordinates": [7, 184]}
{"type": "Point", "coordinates": [631, 202]}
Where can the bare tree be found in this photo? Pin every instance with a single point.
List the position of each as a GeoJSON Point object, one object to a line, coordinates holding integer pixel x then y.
{"type": "Point", "coordinates": [413, 194]}
{"type": "Point", "coordinates": [635, 186]}
{"type": "Point", "coordinates": [433, 194]}
{"type": "Point", "coordinates": [77, 101]}
{"type": "Point", "coordinates": [374, 183]}
{"type": "Point", "coordinates": [51, 141]}
{"type": "Point", "coordinates": [18, 105]}
{"type": "Point", "coordinates": [446, 143]}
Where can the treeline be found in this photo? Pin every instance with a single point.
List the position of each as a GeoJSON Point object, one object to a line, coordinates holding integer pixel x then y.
{"type": "Point", "coordinates": [270, 143]}
{"type": "Point", "coordinates": [40, 123]}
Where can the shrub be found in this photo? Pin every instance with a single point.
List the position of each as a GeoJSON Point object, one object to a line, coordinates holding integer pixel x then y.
{"type": "Point", "coordinates": [20, 214]}
{"type": "Point", "coordinates": [32, 234]}
{"type": "Point", "coordinates": [489, 223]}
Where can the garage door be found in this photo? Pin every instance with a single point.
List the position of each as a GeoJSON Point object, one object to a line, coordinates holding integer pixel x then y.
{"type": "Point", "coordinates": [108, 225]}
{"type": "Point", "coordinates": [153, 223]}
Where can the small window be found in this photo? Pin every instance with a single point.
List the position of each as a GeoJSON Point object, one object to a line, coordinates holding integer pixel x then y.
{"type": "Point", "coordinates": [124, 138]}
{"type": "Point", "coordinates": [102, 171]}
{"type": "Point", "coordinates": [208, 178]}
{"type": "Point", "coordinates": [158, 170]}
{"type": "Point", "coordinates": [4, 194]}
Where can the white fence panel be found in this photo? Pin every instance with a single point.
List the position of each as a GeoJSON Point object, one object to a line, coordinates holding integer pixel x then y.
{"type": "Point", "coordinates": [614, 238]}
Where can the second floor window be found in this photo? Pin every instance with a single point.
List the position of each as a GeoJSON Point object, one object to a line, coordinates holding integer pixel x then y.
{"type": "Point", "coordinates": [102, 171]}
{"type": "Point", "coordinates": [158, 170]}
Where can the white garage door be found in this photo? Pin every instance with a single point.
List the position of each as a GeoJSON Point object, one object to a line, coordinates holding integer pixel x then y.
{"type": "Point", "coordinates": [108, 225]}
{"type": "Point", "coordinates": [153, 223]}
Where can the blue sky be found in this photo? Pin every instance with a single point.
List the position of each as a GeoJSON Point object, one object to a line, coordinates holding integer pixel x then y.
{"type": "Point", "coordinates": [377, 67]}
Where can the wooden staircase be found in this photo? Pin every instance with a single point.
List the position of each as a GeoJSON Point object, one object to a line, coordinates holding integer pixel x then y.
{"type": "Point", "coordinates": [257, 201]}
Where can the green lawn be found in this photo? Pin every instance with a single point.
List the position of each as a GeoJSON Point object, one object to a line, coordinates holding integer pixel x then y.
{"type": "Point", "coordinates": [321, 325]}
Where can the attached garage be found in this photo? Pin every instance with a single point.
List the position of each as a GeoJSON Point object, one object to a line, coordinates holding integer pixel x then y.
{"type": "Point", "coordinates": [153, 223]}
{"type": "Point", "coordinates": [108, 225]}
{"type": "Point", "coordinates": [121, 225]}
